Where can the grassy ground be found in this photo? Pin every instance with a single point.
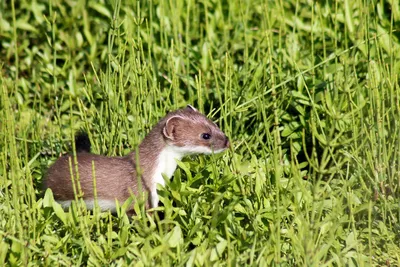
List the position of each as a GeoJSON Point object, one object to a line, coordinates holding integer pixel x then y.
{"type": "Point", "coordinates": [307, 92]}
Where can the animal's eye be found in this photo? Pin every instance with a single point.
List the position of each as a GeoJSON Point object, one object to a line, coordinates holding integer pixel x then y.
{"type": "Point", "coordinates": [205, 136]}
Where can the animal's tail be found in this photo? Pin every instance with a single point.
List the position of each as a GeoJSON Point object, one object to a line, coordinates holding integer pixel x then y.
{"type": "Point", "coordinates": [82, 142]}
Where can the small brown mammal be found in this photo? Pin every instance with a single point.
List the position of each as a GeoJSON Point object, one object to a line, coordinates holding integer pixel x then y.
{"type": "Point", "coordinates": [182, 132]}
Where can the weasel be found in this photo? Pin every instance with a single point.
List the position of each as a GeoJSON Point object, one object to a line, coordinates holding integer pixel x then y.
{"type": "Point", "coordinates": [182, 132]}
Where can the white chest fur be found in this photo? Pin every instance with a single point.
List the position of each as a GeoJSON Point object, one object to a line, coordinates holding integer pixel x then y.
{"type": "Point", "coordinates": [166, 163]}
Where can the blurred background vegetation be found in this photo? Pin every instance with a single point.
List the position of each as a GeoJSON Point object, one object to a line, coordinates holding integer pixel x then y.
{"type": "Point", "coordinates": [307, 91]}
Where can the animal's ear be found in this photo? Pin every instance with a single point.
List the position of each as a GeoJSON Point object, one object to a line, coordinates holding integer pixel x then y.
{"type": "Point", "coordinates": [170, 126]}
{"type": "Point", "coordinates": [191, 107]}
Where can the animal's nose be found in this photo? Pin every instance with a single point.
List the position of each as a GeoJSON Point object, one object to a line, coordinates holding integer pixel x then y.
{"type": "Point", "coordinates": [227, 144]}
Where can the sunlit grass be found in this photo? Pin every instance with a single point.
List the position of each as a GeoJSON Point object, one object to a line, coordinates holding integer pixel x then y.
{"type": "Point", "coordinates": [307, 92]}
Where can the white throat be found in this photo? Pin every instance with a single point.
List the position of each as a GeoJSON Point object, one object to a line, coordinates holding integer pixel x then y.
{"type": "Point", "coordinates": [166, 163]}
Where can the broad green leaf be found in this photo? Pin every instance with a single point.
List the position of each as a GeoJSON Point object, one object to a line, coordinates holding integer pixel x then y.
{"type": "Point", "coordinates": [216, 252]}
{"type": "Point", "coordinates": [58, 210]}
{"type": "Point", "coordinates": [174, 237]}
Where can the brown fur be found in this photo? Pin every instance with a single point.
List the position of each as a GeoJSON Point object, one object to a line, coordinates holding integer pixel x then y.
{"type": "Point", "coordinates": [111, 173]}
{"type": "Point", "coordinates": [116, 177]}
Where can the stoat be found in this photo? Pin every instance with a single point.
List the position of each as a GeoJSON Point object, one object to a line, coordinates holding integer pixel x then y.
{"type": "Point", "coordinates": [182, 132]}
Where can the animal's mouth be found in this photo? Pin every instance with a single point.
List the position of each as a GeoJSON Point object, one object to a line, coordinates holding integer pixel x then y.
{"type": "Point", "coordinates": [219, 150]}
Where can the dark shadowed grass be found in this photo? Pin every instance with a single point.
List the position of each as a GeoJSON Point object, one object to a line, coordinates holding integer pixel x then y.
{"type": "Point", "coordinates": [308, 94]}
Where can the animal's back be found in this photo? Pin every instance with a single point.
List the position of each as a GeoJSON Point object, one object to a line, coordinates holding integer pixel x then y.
{"type": "Point", "coordinates": [115, 176]}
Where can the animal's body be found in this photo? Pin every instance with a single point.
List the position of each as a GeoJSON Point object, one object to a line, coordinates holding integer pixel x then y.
{"type": "Point", "coordinates": [180, 133]}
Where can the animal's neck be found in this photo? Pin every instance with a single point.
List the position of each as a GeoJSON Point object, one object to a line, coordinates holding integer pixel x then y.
{"type": "Point", "coordinates": [157, 157]}
{"type": "Point", "coordinates": [167, 163]}
{"type": "Point", "coordinates": [149, 151]}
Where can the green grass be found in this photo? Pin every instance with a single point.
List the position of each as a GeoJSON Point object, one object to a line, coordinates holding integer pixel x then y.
{"type": "Point", "coordinates": [307, 92]}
